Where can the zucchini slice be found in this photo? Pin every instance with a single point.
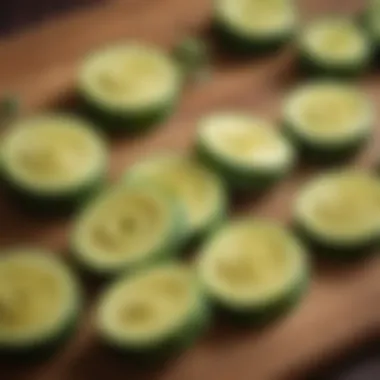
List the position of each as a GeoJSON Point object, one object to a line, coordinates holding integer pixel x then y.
{"type": "Point", "coordinates": [129, 87]}
{"type": "Point", "coordinates": [39, 304]}
{"type": "Point", "coordinates": [153, 315]}
{"type": "Point", "coordinates": [338, 213]}
{"type": "Point", "coordinates": [335, 46]}
{"type": "Point", "coordinates": [253, 271]}
{"type": "Point", "coordinates": [128, 227]}
{"type": "Point", "coordinates": [247, 152]}
{"type": "Point", "coordinates": [253, 26]}
{"type": "Point", "coordinates": [328, 120]}
{"type": "Point", "coordinates": [199, 191]}
{"type": "Point", "coordinates": [52, 163]}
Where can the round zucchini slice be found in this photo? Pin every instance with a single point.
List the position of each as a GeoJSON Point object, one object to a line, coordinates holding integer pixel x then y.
{"type": "Point", "coordinates": [328, 121]}
{"type": "Point", "coordinates": [52, 163]}
{"type": "Point", "coordinates": [335, 46]}
{"type": "Point", "coordinates": [153, 315]}
{"type": "Point", "coordinates": [253, 271]}
{"type": "Point", "coordinates": [39, 304]}
{"type": "Point", "coordinates": [197, 189]}
{"type": "Point", "coordinates": [254, 26]}
{"type": "Point", "coordinates": [338, 214]}
{"type": "Point", "coordinates": [129, 87]}
{"type": "Point", "coordinates": [247, 152]}
{"type": "Point", "coordinates": [126, 228]}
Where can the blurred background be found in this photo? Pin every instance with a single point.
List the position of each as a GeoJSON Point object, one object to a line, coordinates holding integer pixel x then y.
{"type": "Point", "coordinates": [16, 15]}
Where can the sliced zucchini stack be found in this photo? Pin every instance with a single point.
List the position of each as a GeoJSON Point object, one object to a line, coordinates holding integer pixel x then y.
{"type": "Point", "coordinates": [335, 46]}
{"type": "Point", "coordinates": [253, 270]}
{"type": "Point", "coordinates": [247, 152]}
{"type": "Point", "coordinates": [129, 87]}
{"type": "Point", "coordinates": [253, 26]}
{"type": "Point", "coordinates": [153, 315]}
{"type": "Point", "coordinates": [53, 162]}
{"type": "Point", "coordinates": [197, 189]}
{"type": "Point", "coordinates": [39, 304]}
{"type": "Point", "coordinates": [126, 228]}
{"type": "Point", "coordinates": [328, 120]}
{"type": "Point", "coordinates": [338, 214]}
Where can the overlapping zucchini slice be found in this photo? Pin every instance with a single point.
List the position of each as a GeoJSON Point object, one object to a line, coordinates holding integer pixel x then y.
{"type": "Point", "coordinates": [130, 86]}
{"type": "Point", "coordinates": [252, 26]}
{"type": "Point", "coordinates": [328, 120]}
{"type": "Point", "coordinates": [338, 213]}
{"type": "Point", "coordinates": [335, 46]}
{"type": "Point", "coordinates": [247, 152]}
{"type": "Point", "coordinates": [52, 162]}
{"type": "Point", "coordinates": [196, 188]}
{"type": "Point", "coordinates": [126, 228]}
{"type": "Point", "coordinates": [39, 304]}
{"type": "Point", "coordinates": [253, 270]}
{"type": "Point", "coordinates": [153, 315]}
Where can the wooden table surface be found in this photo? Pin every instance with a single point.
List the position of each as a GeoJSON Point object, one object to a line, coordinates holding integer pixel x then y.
{"type": "Point", "coordinates": [342, 309]}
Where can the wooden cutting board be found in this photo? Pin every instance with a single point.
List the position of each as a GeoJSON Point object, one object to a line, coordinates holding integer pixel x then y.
{"type": "Point", "coordinates": [342, 308]}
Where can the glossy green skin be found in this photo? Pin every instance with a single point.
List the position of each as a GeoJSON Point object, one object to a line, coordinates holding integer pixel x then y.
{"type": "Point", "coordinates": [376, 49]}
{"type": "Point", "coordinates": [166, 251]}
{"type": "Point", "coordinates": [364, 22]}
{"type": "Point", "coordinates": [267, 312]}
{"type": "Point", "coordinates": [51, 204]}
{"type": "Point", "coordinates": [126, 121]}
{"type": "Point", "coordinates": [40, 351]}
{"type": "Point", "coordinates": [172, 345]}
{"type": "Point", "coordinates": [314, 67]}
{"type": "Point", "coordinates": [319, 153]}
{"type": "Point", "coordinates": [234, 42]}
{"type": "Point", "coordinates": [240, 178]}
{"type": "Point", "coordinates": [333, 251]}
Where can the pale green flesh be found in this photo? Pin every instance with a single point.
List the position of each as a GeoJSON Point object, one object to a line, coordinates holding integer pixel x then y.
{"type": "Point", "coordinates": [257, 17]}
{"type": "Point", "coordinates": [130, 76]}
{"type": "Point", "coordinates": [38, 297]}
{"type": "Point", "coordinates": [329, 111]}
{"type": "Point", "coordinates": [244, 140]}
{"type": "Point", "coordinates": [196, 188]}
{"type": "Point", "coordinates": [343, 206]}
{"type": "Point", "coordinates": [148, 306]}
{"type": "Point", "coordinates": [335, 41]}
{"type": "Point", "coordinates": [52, 152]}
{"type": "Point", "coordinates": [250, 262]}
{"type": "Point", "coordinates": [123, 227]}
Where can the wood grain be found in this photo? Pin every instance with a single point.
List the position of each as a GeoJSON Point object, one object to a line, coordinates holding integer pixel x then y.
{"type": "Point", "coordinates": [341, 309]}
